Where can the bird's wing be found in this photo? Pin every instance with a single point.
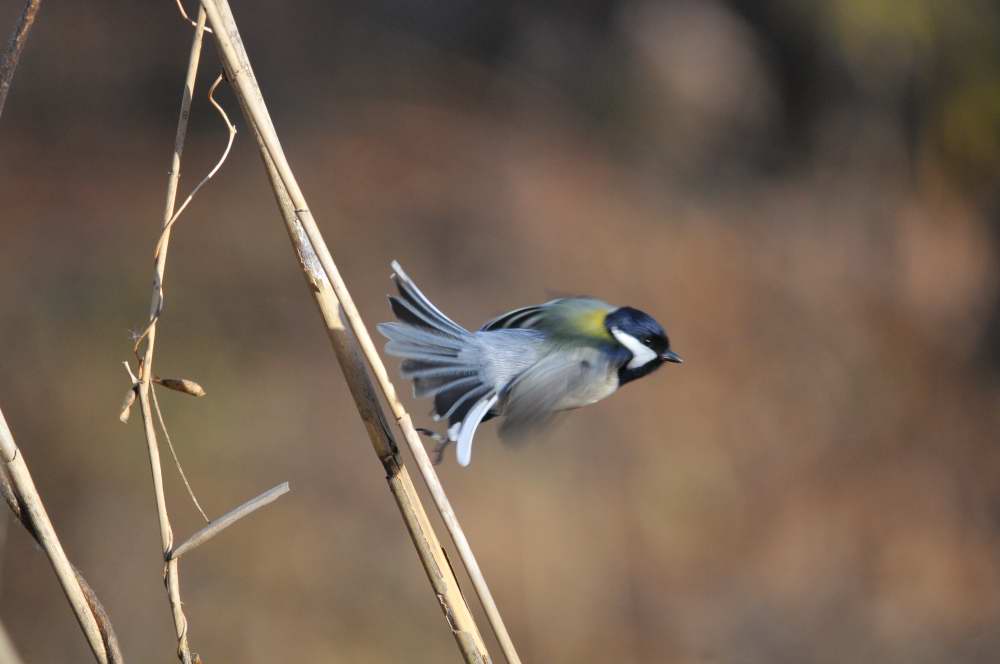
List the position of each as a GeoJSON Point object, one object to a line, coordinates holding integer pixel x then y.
{"type": "Point", "coordinates": [579, 318]}
{"type": "Point", "coordinates": [554, 383]}
{"type": "Point", "coordinates": [522, 318]}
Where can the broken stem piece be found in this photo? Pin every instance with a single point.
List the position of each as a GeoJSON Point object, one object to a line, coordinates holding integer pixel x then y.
{"type": "Point", "coordinates": [216, 526]}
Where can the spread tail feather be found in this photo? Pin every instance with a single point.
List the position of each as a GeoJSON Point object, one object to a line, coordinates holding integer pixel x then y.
{"type": "Point", "coordinates": [414, 308]}
{"type": "Point", "coordinates": [469, 425]}
{"type": "Point", "coordinates": [443, 360]}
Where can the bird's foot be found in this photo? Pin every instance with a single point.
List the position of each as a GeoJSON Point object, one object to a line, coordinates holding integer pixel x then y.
{"type": "Point", "coordinates": [440, 448]}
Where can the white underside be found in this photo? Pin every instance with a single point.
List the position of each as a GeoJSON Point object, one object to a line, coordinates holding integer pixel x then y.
{"type": "Point", "coordinates": [592, 392]}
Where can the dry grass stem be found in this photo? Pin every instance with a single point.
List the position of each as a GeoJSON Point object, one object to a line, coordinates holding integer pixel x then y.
{"type": "Point", "coordinates": [237, 66]}
{"type": "Point", "coordinates": [24, 501]}
{"type": "Point", "coordinates": [16, 484]}
{"type": "Point", "coordinates": [165, 235]}
{"type": "Point", "coordinates": [425, 540]}
{"type": "Point", "coordinates": [8, 653]}
{"type": "Point", "coordinates": [143, 383]}
{"type": "Point", "coordinates": [186, 17]}
{"type": "Point", "coordinates": [173, 453]}
{"type": "Point", "coordinates": [12, 54]}
{"type": "Point", "coordinates": [238, 69]}
{"type": "Point", "coordinates": [171, 579]}
{"type": "Point", "coordinates": [229, 518]}
{"type": "Point", "coordinates": [429, 550]}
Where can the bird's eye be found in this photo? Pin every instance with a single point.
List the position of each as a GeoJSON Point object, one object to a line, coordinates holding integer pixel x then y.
{"type": "Point", "coordinates": [647, 341]}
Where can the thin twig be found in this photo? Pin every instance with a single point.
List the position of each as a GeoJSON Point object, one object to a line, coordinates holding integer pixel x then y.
{"type": "Point", "coordinates": [173, 453]}
{"type": "Point", "coordinates": [12, 55]}
{"type": "Point", "coordinates": [25, 502]}
{"type": "Point", "coordinates": [237, 66]}
{"type": "Point", "coordinates": [229, 518]}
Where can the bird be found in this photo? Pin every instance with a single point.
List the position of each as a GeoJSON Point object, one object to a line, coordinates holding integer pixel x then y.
{"type": "Point", "coordinates": [524, 365]}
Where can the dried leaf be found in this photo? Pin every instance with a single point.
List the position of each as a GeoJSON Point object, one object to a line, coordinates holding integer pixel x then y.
{"type": "Point", "coordinates": [182, 385]}
{"type": "Point", "coordinates": [127, 405]}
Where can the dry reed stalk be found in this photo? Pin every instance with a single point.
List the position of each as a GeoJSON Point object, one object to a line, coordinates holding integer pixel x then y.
{"type": "Point", "coordinates": [425, 540]}
{"type": "Point", "coordinates": [142, 385]}
{"type": "Point", "coordinates": [25, 502]}
{"type": "Point", "coordinates": [241, 77]}
{"type": "Point", "coordinates": [12, 55]}
{"type": "Point", "coordinates": [171, 573]}
{"type": "Point", "coordinates": [8, 653]}
{"type": "Point", "coordinates": [19, 491]}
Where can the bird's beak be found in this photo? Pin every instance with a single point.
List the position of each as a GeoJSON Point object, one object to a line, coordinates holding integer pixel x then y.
{"type": "Point", "coordinates": [671, 356]}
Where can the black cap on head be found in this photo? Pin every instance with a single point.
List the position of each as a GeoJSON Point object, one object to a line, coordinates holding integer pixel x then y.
{"type": "Point", "coordinates": [643, 337]}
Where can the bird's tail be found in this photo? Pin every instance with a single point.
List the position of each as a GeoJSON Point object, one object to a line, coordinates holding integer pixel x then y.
{"type": "Point", "coordinates": [441, 358]}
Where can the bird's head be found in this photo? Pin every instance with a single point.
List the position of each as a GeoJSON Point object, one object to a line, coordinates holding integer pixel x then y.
{"type": "Point", "coordinates": [644, 339]}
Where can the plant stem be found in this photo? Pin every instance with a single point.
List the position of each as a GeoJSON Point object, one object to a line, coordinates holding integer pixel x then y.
{"type": "Point", "coordinates": [171, 574]}
{"type": "Point", "coordinates": [33, 513]}
{"type": "Point", "coordinates": [336, 306]}
{"type": "Point", "coordinates": [240, 75]}
{"type": "Point", "coordinates": [8, 63]}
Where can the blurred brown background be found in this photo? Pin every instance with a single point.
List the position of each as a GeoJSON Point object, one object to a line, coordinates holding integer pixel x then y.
{"type": "Point", "coordinates": [806, 194]}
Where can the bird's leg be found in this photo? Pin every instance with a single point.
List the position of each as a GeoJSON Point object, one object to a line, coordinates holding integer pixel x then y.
{"type": "Point", "coordinates": [442, 444]}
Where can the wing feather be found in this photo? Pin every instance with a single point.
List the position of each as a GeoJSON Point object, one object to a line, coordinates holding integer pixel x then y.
{"type": "Point", "coordinates": [569, 317]}
{"type": "Point", "coordinates": [513, 319]}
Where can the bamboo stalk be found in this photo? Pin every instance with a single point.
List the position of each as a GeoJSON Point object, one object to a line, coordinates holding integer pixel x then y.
{"type": "Point", "coordinates": [41, 528]}
{"type": "Point", "coordinates": [237, 65]}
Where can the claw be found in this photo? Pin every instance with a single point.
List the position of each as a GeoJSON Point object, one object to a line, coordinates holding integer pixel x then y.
{"type": "Point", "coordinates": [440, 448]}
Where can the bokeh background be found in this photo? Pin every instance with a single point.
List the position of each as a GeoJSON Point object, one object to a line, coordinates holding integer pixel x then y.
{"type": "Point", "coordinates": [806, 194]}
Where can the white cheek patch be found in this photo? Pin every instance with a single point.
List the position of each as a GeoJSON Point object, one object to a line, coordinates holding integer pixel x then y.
{"type": "Point", "coordinates": [641, 354]}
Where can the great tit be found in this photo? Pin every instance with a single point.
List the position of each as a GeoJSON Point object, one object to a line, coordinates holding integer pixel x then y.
{"type": "Point", "coordinates": [524, 365]}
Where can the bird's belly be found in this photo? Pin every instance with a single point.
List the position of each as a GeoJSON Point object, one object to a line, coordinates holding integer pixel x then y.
{"type": "Point", "coordinates": [591, 392]}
